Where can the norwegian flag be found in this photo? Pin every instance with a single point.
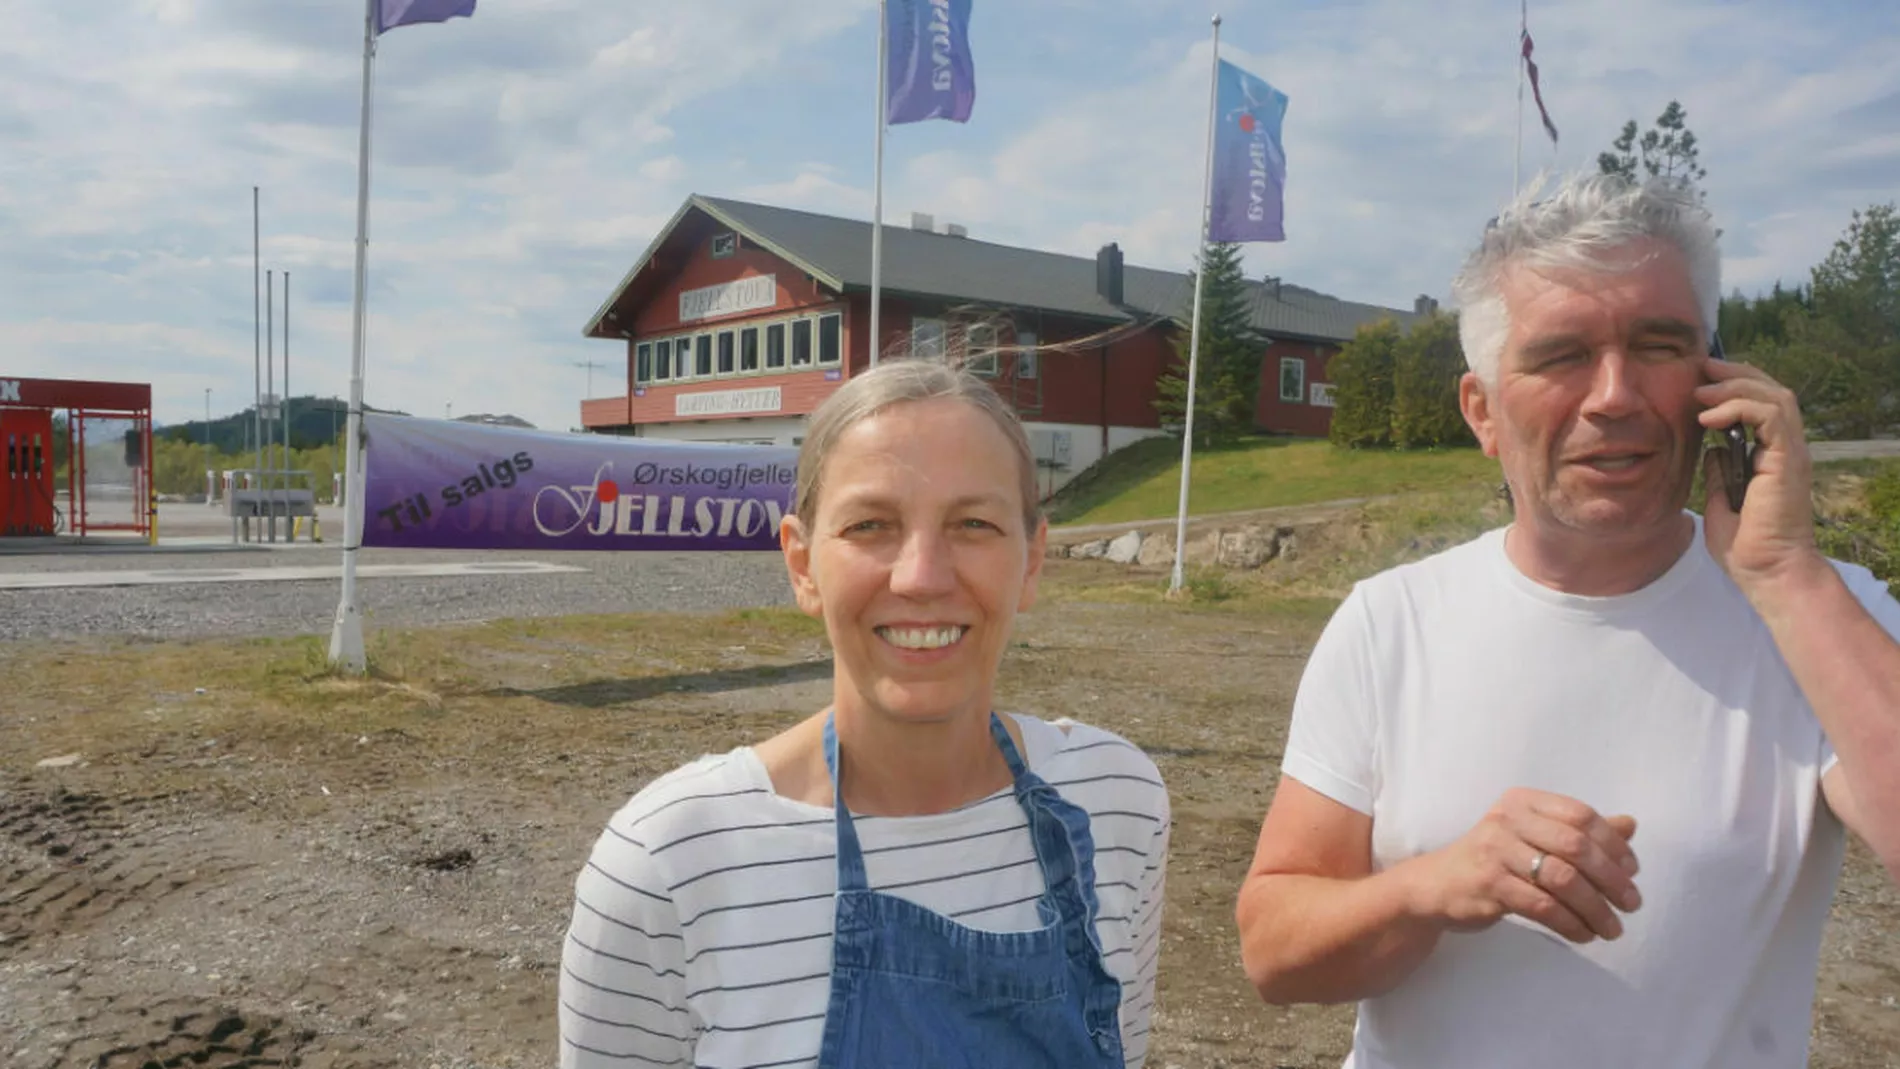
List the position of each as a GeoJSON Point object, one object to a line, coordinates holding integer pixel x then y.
{"type": "Point", "coordinates": [1536, 91]}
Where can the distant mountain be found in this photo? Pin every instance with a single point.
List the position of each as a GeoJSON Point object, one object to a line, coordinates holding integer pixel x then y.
{"type": "Point", "coordinates": [496, 421]}
{"type": "Point", "coordinates": [314, 422]}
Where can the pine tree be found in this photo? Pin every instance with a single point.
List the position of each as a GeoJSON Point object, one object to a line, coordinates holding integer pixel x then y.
{"type": "Point", "coordinates": [1227, 380]}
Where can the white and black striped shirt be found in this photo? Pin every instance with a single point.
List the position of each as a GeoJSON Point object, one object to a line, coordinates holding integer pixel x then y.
{"type": "Point", "coordinates": [702, 921]}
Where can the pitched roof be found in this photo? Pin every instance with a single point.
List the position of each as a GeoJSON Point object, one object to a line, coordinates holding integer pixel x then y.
{"type": "Point", "coordinates": [837, 252]}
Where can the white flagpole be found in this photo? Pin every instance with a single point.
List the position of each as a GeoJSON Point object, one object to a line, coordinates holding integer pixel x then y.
{"type": "Point", "coordinates": [346, 637]}
{"type": "Point", "coordinates": [1194, 332]}
{"type": "Point", "coordinates": [1517, 154]}
{"type": "Point", "coordinates": [877, 182]}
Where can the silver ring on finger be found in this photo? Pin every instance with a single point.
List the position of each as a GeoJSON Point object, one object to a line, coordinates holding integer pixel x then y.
{"type": "Point", "coordinates": [1537, 866]}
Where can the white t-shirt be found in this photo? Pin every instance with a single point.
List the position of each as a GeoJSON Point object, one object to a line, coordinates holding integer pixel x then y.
{"type": "Point", "coordinates": [703, 919]}
{"type": "Point", "coordinates": [1439, 685]}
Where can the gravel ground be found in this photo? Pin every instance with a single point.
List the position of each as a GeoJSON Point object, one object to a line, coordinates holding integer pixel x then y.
{"type": "Point", "coordinates": [611, 583]}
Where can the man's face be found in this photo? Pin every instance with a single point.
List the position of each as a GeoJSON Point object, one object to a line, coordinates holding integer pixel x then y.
{"type": "Point", "coordinates": [1593, 414]}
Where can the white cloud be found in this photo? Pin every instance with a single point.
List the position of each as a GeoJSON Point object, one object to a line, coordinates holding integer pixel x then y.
{"type": "Point", "coordinates": [525, 157]}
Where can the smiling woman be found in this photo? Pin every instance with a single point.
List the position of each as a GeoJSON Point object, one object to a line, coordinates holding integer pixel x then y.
{"type": "Point", "coordinates": [906, 871]}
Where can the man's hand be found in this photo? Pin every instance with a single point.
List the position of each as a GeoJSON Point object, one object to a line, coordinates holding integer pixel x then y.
{"type": "Point", "coordinates": [1774, 535]}
{"type": "Point", "coordinates": [1585, 875]}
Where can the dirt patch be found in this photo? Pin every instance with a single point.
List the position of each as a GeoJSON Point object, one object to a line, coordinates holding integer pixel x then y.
{"type": "Point", "coordinates": [286, 869]}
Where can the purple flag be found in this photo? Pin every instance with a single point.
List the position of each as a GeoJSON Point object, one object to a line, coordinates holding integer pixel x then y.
{"type": "Point", "coordinates": [436, 484]}
{"type": "Point", "coordinates": [929, 72]}
{"type": "Point", "coordinates": [393, 13]}
{"type": "Point", "coordinates": [1249, 162]}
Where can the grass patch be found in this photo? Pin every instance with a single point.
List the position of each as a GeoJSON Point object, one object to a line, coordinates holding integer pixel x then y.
{"type": "Point", "coordinates": [1142, 482]}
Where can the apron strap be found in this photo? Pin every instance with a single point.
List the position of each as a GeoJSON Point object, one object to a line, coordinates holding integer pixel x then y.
{"type": "Point", "coordinates": [850, 855]}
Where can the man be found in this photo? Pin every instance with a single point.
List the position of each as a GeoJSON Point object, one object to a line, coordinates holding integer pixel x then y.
{"type": "Point", "coordinates": [1573, 794]}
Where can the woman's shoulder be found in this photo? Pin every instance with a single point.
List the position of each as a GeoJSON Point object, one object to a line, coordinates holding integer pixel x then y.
{"type": "Point", "coordinates": [1096, 766]}
{"type": "Point", "coordinates": [1070, 743]}
{"type": "Point", "coordinates": [715, 791]}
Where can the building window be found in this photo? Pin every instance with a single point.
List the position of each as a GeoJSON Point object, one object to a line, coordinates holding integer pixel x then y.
{"type": "Point", "coordinates": [775, 345]}
{"type": "Point", "coordinates": [723, 245]}
{"type": "Point", "coordinates": [702, 355]}
{"type": "Point", "coordinates": [663, 359]}
{"type": "Point", "coordinates": [725, 352]}
{"type": "Point", "coordinates": [1321, 394]}
{"type": "Point", "coordinates": [1292, 379]}
{"type": "Point", "coordinates": [801, 341]}
{"type": "Point", "coordinates": [643, 362]}
{"type": "Point", "coordinates": [749, 349]}
{"type": "Point", "coordinates": [830, 338]}
{"type": "Point", "coordinates": [1026, 354]}
{"type": "Point", "coordinates": [979, 349]}
{"type": "Point", "coordinates": [926, 338]}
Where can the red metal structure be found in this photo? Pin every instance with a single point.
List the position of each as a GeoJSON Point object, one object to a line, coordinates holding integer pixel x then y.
{"type": "Point", "coordinates": [29, 489]}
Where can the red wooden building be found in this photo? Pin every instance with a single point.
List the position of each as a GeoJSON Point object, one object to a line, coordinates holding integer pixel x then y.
{"type": "Point", "coordinates": [740, 318]}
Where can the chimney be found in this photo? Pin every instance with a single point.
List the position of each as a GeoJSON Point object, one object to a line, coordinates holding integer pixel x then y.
{"type": "Point", "coordinates": [1108, 273]}
{"type": "Point", "coordinates": [1425, 305]}
{"type": "Point", "coordinates": [1272, 282]}
{"type": "Point", "coordinates": [956, 230]}
{"type": "Point", "coordinates": [922, 222]}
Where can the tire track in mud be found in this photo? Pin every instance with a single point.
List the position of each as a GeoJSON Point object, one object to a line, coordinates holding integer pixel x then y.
{"type": "Point", "coordinates": [167, 1034]}
{"type": "Point", "coordinates": [71, 861]}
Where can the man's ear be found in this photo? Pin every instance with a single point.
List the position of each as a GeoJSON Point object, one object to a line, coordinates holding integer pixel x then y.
{"type": "Point", "coordinates": [1475, 403]}
{"type": "Point", "coordinates": [795, 542]}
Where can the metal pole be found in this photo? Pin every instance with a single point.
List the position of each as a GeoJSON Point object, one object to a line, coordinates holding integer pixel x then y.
{"type": "Point", "coordinates": [346, 636]}
{"type": "Point", "coordinates": [211, 493]}
{"type": "Point", "coordinates": [877, 182]}
{"type": "Point", "coordinates": [1194, 332]}
{"type": "Point", "coordinates": [289, 528]}
{"type": "Point", "coordinates": [270, 391]}
{"type": "Point", "coordinates": [1517, 151]}
{"type": "Point", "coordinates": [257, 346]}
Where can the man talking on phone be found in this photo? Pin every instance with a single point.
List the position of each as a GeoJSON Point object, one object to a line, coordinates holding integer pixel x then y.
{"type": "Point", "coordinates": [1575, 793]}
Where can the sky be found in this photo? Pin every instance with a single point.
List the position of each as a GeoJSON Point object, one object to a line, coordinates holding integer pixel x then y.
{"type": "Point", "coordinates": [524, 158]}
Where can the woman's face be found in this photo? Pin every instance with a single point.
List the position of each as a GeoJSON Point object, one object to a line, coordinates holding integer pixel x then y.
{"type": "Point", "coordinates": [917, 560]}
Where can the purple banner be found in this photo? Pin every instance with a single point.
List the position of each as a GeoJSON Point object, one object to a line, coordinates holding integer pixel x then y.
{"type": "Point", "coordinates": [436, 484]}
{"type": "Point", "coordinates": [393, 13]}
{"type": "Point", "coordinates": [1249, 163]}
{"type": "Point", "coordinates": [930, 73]}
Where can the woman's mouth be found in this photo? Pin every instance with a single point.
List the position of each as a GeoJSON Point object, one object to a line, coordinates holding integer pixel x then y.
{"type": "Point", "coordinates": [923, 638]}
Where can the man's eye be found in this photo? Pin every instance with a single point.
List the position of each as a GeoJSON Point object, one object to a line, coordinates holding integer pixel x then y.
{"type": "Point", "coordinates": [864, 526]}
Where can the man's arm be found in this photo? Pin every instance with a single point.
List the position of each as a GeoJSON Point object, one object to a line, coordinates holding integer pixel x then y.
{"type": "Point", "coordinates": [1846, 661]}
{"type": "Point", "coordinates": [1317, 925]}
{"type": "Point", "coordinates": [1848, 667]}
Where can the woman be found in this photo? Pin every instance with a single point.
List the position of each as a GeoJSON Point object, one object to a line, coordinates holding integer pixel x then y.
{"type": "Point", "coordinates": [905, 878]}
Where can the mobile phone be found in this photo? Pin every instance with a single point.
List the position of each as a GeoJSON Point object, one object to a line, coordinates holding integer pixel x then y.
{"type": "Point", "coordinates": [1738, 466]}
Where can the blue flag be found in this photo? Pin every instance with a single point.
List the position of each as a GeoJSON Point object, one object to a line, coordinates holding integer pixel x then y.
{"type": "Point", "coordinates": [930, 74]}
{"type": "Point", "coordinates": [393, 13]}
{"type": "Point", "coordinates": [1249, 163]}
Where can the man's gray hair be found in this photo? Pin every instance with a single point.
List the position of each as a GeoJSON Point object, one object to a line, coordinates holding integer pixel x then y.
{"type": "Point", "coordinates": [1578, 226]}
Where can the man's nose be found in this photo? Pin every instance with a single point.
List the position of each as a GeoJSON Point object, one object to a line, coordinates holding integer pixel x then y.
{"type": "Point", "coordinates": [1614, 386]}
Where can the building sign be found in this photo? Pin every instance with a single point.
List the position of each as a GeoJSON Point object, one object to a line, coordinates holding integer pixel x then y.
{"type": "Point", "coordinates": [1321, 394]}
{"type": "Point", "coordinates": [729, 298]}
{"type": "Point", "coordinates": [727, 402]}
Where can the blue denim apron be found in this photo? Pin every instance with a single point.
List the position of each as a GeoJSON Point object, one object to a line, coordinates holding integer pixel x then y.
{"type": "Point", "coordinates": [913, 988]}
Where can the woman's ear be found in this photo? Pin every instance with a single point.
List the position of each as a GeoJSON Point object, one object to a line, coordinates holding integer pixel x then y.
{"type": "Point", "coordinates": [795, 542]}
{"type": "Point", "coordinates": [1032, 573]}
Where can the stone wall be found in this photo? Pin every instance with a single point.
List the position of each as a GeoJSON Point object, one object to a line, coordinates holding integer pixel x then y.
{"type": "Point", "coordinates": [1240, 546]}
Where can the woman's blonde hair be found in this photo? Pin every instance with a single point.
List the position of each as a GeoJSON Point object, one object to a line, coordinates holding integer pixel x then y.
{"type": "Point", "coordinates": [902, 381]}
